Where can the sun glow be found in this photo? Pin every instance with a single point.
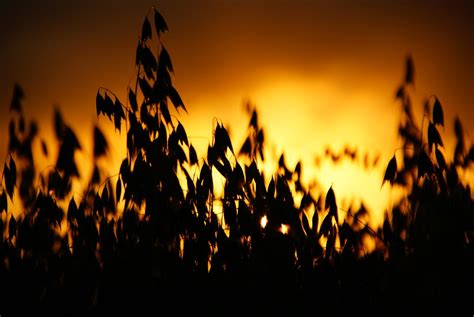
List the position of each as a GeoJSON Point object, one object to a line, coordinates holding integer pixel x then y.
{"type": "Point", "coordinates": [304, 116]}
{"type": "Point", "coordinates": [301, 117]}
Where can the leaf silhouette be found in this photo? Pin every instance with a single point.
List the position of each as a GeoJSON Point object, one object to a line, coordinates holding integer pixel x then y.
{"type": "Point", "coordinates": [409, 70]}
{"type": "Point", "coordinates": [271, 188]}
{"type": "Point", "coordinates": [10, 177]}
{"type": "Point", "coordinates": [44, 148]}
{"type": "Point", "coordinates": [100, 143]}
{"type": "Point", "coordinates": [441, 160]}
{"type": "Point", "coordinates": [246, 147]}
{"type": "Point", "coordinates": [17, 98]}
{"type": "Point", "coordinates": [72, 210]}
{"type": "Point", "coordinates": [458, 129]}
{"type": "Point", "coordinates": [260, 140]}
{"type": "Point", "coordinates": [146, 30]}
{"type": "Point", "coordinates": [391, 171]}
{"type": "Point", "coordinates": [331, 204]}
{"type": "Point", "coordinates": [459, 152]}
{"type": "Point", "coordinates": [211, 156]}
{"type": "Point", "coordinates": [326, 225]}
{"type": "Point", "coordinates": [252, 172]}
{"type": "Point", "coordinates": [176, 99]}
{"type": "Point", "coordinates": [181, 134]}
{"type": "Point", "coordinates": [12, 170]}
{"type": "Point", "coordinates": [160, 23]}
{"type": "Point", "coordinates": [118, 189]}
{"type": "Point", "coordinates": [32, 130]}
{"type": "Point", "coordinates": [306, 201]}
{"type": "Point", "coordinates": [95, 179]}
{"type": "Point", "coordinates": [387, 230]}
{"type": "Point", "coordinates": [222, 140]}
{"type": "Point", "coordinates": [119, 115]}
{"type": "Point", "coordinates": [138, 54]}
{"type": "Point", "coordinates": [165, 59]}
{"type": "Point", "coordinates": [190, 184]}
{"type": "Point", "coordinates": [108, 106]}
{"type": "Point", "coordinates": [298, 169]}
{"type": "Point", "coordinates": [400, 93]}
{"type": "Point", "coordinates": [13, 142]}
{"type": "Point", "coordinates": [105, 196]}
{"type": "Point", "coordinates": [148, 61]}
{"type": "Point", "coordinates": [145, 88]}
{"type": "Point", "coordinates": [433, 136]}
{"type": "Point", "coordinates": [330, 244]}
{"type": "Point", "coordinates": [425, 166]}
{"type": "Point", "coordinates": [330, 199]}
{"type": "Point", "coordinates": [230, 214]}
{"type": "Point", "coordinates": [470, 156]}
{"type": "Point", "coordinates": [70, 139]}
{"type": "Point", "coordinates": [165, 111]}
{"type": "Point", "coordinates": [125, 170]}
{"type": "Point", "coordinates": [226, 139]}
{"type": "Point", "coordinates": [253, 120]}
{"type": "Point", "coordinates": [223, 168]}
{"type": "Point", "coordinates": [192, 155]}
{"type": "Point", "coordinates": [3, 202]}
{"type": "Point", "coordinates": [179, 152]}
{"type": "Point", "coordinates": [438, 117]}
{"type": "Point", "coordinates": [68, 145]}
{"type": "Point", "coordinates": [281, 161]}
{"type": "Point", "coordinates": [305, 224]}
{"type": "Point", "coordinates": [12, 227]}
{"type": "Point", "coordinates": [315, 222]}
{"type": "Point", "coordinates": [99, 103]}
{"type": "Point", "coordinates": [59, 126]}
{"type": "Point", "coordinates": [132, 99]}
{"type": "Point", "coordinates": [238, 177]}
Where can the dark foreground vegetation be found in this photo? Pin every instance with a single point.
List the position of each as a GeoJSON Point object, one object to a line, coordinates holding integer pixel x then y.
{"type": "Point", "coordinates": [156, 237]}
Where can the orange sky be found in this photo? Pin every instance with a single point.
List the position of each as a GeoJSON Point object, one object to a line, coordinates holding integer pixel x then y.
{"type": "Point", "coordinates": [321, 74]}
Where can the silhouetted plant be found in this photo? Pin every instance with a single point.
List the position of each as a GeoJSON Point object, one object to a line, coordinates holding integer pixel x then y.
{"type": "Point", "coordinates": [271, 239]}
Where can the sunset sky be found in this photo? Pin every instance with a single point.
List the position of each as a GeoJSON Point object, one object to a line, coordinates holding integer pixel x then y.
{"type": "Point", "coordinates": [321, 73]}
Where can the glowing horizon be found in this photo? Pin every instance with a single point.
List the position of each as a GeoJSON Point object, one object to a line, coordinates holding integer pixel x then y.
{"type": "Point", "coordinates": [324, 80]}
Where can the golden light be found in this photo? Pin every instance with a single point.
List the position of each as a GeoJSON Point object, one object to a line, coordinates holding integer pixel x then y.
{"type": "Point", "coordinates": [263, 221]}
{"type": "Point", "coordinates": [284, 229]}
{"type": "Point", "coordinates": [303, 114]}
{"type": "Point", "coordinates": [181, 246]}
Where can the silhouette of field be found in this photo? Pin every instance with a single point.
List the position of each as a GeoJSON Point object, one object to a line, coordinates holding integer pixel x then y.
{"type": "Point", "coordinates": [156, 237]}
